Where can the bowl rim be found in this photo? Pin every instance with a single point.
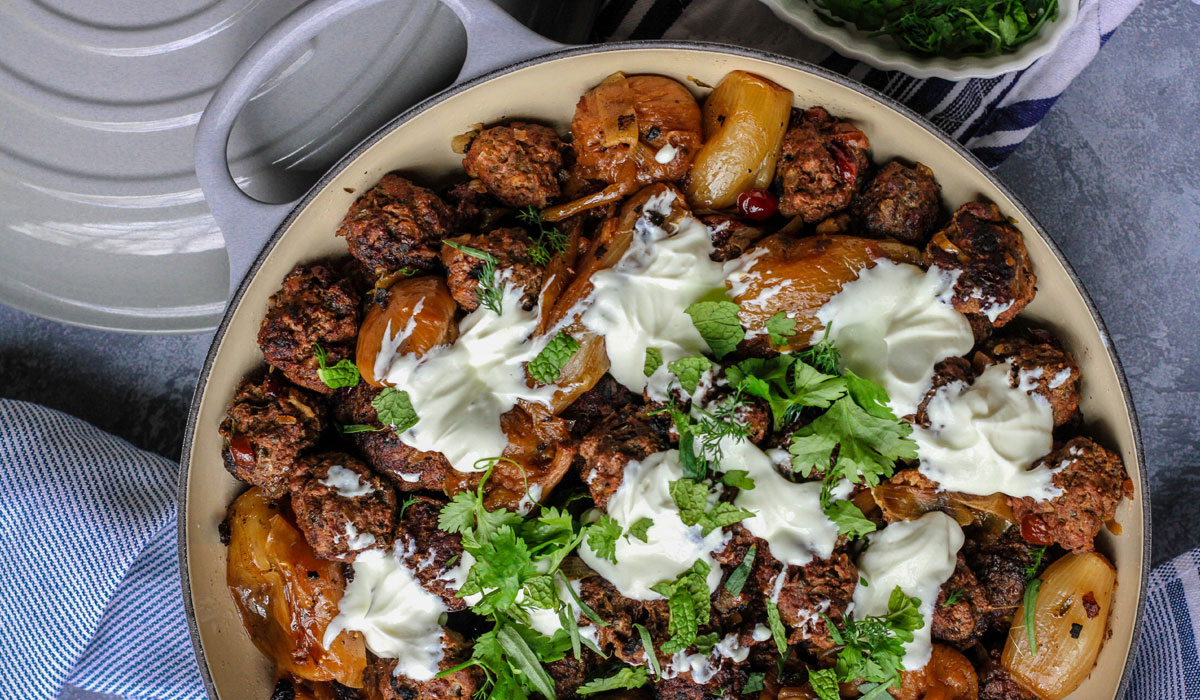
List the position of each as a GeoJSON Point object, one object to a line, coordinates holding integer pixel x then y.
{"type": "Point", "coordinates": [855, 43]}
{"type": "Point", "coordinates": [323, 182]}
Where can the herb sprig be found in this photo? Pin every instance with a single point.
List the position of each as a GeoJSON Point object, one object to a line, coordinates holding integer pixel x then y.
{"type": "Point", "coordinates": [547, 242]}
{"type": "Point", "coordinates": [490, 293]}
{"type": "Point", "coordinates": [872, 648]}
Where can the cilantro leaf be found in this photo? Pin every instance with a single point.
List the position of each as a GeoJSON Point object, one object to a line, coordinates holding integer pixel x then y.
{"type": "Point", "coordinates": [459, 514]}
{"type": "Point", "coordinates": [786, 385]}
{"type": "Point", "coordinates": [754, 683]}
{"type": "Point", "coordinates": [627, 678]}
{"type": "Point", "coordinates": [738, 479]}
{"type": "Point", "coordinates": [602, 537]}
{"type": "Point", "coordinates": [344, 373]}
{"type": "Point", "coordinates": [849, 519]}
{"type": "Point", "coordinates": [873, 648]}
{"type": "Point", "coordinates": [395, 409]}
{"type": "Point", "coordinates": [738, 577]}
{"type": "Point", "coordinates": [689, 370]}
{"type": "Point", "coordinates": [653, 361]}
{"type": "Point", "coordinates": [548, 364]}
{"type": "Point", "coordinates": [777, 629]}
{"type": "Point", "coordinates": [502, 564]}
{"type": "Point", "coordinates": [870, 396]}
{"type": "Point", "coordinates": [718, 324]}
{"type": "Point", "coordinates": [780, 328]}
{"type": "Point", "coordinates": [640, 528]}
{"type": "Point", "coordinates": [867, 445]}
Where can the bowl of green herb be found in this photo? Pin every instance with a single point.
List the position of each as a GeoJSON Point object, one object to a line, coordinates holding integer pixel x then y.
{"type": "Point", "coordinates": [951, 39]}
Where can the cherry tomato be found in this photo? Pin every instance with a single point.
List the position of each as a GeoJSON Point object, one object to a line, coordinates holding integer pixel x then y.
{"type": "Point", "coordinates": [242, 451]}
{"type": "Point", "coordinates": [1035, 531]}
{"type": "Point", "coordinates": [757, 205]}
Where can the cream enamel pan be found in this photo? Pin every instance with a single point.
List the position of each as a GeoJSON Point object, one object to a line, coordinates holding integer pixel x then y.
{"type": "Point", "coordinates": [545, 88]}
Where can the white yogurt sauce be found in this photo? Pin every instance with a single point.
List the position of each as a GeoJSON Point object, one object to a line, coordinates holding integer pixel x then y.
{"type": "Point", "coordinates": [547, 621]}
{"type": "Point", "coordinates": [983, 437]}
{"type": "Point", "coordinates": [666, 154]}
{"type": "Point", "coordinates": [397, 618]}
{"type": "Point", "coordinates": [346, 482]}
{"type": "Point", "coordinates": [671, 547]}
{"type": "Point", "coordinates": [702, 668]}
{"type": "Point", "coordinates": [918, 556]}
{"type": "Point", "coordinates": [892, 325]}
{"type": "Point", "coordinates": [639, 302]}
{"type": "Point", "coordinates": [356, 540]}
{"type": "Point", "coordinates": [459, 391]}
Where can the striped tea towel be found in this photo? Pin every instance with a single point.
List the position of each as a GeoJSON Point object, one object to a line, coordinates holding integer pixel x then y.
{"type": "Point", "coordinates": [991, 116]}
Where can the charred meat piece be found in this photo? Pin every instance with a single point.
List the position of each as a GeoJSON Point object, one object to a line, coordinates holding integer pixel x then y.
{"type": "Point", "coordinates": [900, 202]}
{"type": "Point", "coordinates": [380, 682]}
{"type": "Point", "coordinates": [995, 278]}
{"type": "Point", "coordinates": [1036, 361]}
{"type": "Point", "coordinates": [958, 614]}
{"type": "Point", "coordinates": [268, 425]}
{"type": "Point", "coordinates": [473, 209]}
{"type": "Point", "coordinates": [725, 682]}
{"type": "Point", "coordinates": [1093, 481]}
{"type": "Point", "coordinates": [409, 468]}
{"type": "Point", "coordinates": [316, 305]}
{"type": "Point", "coordinates": [730, 237]}
{"type": "Point", "coordinates": [341, 506]}
{"type": "Point", "coordinates": [569, 673]}
{"type": "Point", "coordinates": [822, 165]}
{"type": "Point", "coordinates": [945, 373]}
{"type": "Point", "coordinates": [430, 552]}
{"type": "Point", "coordinates": [999, 563]}
{"type": "Point", "coordinates": [511, 249]}
{"type": "Point", "coordinates": [597, 403]}
{"type": "Point", "coordinates": [996, 684]}
{"type": "Point", "coordinates": [627, 435]}
{"type": "Point", "coordinates": [518, 163]}
{"type": "Point", "coordinates": [397, 224]}
{"type": "Point", "coordinates": [619, 637]}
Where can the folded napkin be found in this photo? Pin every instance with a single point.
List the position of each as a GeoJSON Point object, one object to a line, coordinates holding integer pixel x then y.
{"type": "Point", "coordinates": [991, 116]}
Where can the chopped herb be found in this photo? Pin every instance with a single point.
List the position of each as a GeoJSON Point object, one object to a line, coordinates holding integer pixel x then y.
{"type": "Point", "coordinates": [394, 409]}
{"type": "Point", "coordinates": [691, 498]}
{"type": "Point", "coordinates": [648, 648]}
{"type": "Point", "coordinates": [953, 598]}
{"type": "Point", "coordinates": [343, 374]}
{"type": "Point", "coordinates": [404, 506]}
{"type": "Point", "coordinates": [1031, 596]}
{"type": "Point", "coordinates": [546, 242]}
{"type": "Point", "coordinates": [787, 385]}
{"type": "Point", "coordinates": [701, 433]}
{"type": "Point", "coordinates": [627, 678]}
{"type": "Point", "coordinates": [777, 629]}
{"type": "Point", "coordinates": [489, 292]}
{"type": "Point", "coordinates": [718, 324]}
{"type": "Point", "coordinates": [358, 428]}
{"type": "Point", "coordinates": [823, 356]}
{"type": "Point", "coordinates": [872, 648]}
{"type": "Point", "coordinates": [602, 537]}
{"type": "Point", "coordinates": [1035, 563]}
{"type": "Point", "coordinates": [737, 579]}
{"type": "Point", "coordinates": [548, 364]}
{"type": "Point", "coordinates": [780, 328]}
{"type": "Point", "coordinates": [653, 361]}
{"type": "Point", "coordinates": [689, 605]}
{"type": "Point", "coordinates": [706, 642]}
{"type": "Point", "coordinates": [689, 370]}
{"type": "Point", "coordinates": [849, 519]}
{"type": "Point", "coordinates": [640, 528]}
{"type": "Point", "coordinates": [754, 683]}
{"type": "Point", "coordinates": [738, 479]}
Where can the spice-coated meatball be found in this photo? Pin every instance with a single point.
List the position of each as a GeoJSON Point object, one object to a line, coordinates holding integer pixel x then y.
{"type": "Point", "coordinates": [999, 563]}
{"type": "Point", "coordinates": [511, 248]}
{"type": "Point", "coordinates": [317, 304]}
{"type": "Point", "coordinates": [1093, 482]}
{"type": "Point", "coordinates": [619, 637]}
{"type": "Point", "coordinates": [381, 682]}
{"type": "Point", "coordinates": [341, 506]}
{"type": "Point", "coordinates": [995, 278]}
{"type": "Point", "coordinates": [901, 202]}
{"type": "Point", "coordinates": [518, 163]}
{"type": "Point", "coordinates": [407, 467]}
{"type": "Point", "coordinates": [473, 209]}
{"type": "Point", "coordinates": [997, 684]}
{"type": "Point", "coordinates": [946, 372]}
{"type": "Point", "coordinates": [432, 554]}
{"type": "Point", "coordinates": [822, 165]}
{"type": "Point", "coordinates": [958, 614]}
{"type": "Point", "coordinates": [1039, 363]}
{"type": "Point", "coordinates": [625, 436]}
{"type": "Point", "coordinates": [397, 224]}
{"type": "Point", "coordinates": [268, 425]}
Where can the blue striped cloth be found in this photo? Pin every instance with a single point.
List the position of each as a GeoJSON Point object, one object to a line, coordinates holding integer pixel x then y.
{"type": "Point", "coordinates": [990, 116]}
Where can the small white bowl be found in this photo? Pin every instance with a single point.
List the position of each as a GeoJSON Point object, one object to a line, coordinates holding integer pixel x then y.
{"type": "Point", "coordinates": [883, 53]}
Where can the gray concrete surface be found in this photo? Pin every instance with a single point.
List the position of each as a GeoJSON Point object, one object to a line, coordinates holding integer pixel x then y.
{"type": "Point", "coordinates": [1113, 173]}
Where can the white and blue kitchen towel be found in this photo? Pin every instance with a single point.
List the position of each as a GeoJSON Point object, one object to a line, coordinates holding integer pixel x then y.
{"type": "Point", "coordinates": [991, 116]}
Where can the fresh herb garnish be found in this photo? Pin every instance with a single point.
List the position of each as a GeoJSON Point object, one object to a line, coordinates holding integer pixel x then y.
{"type": "Point", "coordinates": [689, 370]}
{"type": "Point", "coordinates": [489, 292]}
{"type": "Point", "coordinates": [780, 328]}
{"type": "Point", "coordinates": [872, 648]}
{"type": "Point", "coordinates": [701, 433]}
{"type": "Point", "coordinates": [648, 649]}
{"type": "Point", "coordinates": [689, 604]}
{"type": "Point", "coordinates": [602, 537]}
{"type": "Point", "coordinates": [691, 498]}
{"type": "Point", "coordinates": [718, 324]}
{"type": "Point", "coordinates": [640, 528]}
{"type": "Point", "coordinates": [627, 678]}
{"type": "Point", "coordinates": [343, 374]}
{"type": "Point", "coordinates": [737, 578]}
{"type": "Point", "coordinates": [653, 361]}
{"type": "Point", "coordinates": [1035, 563]}
{"type": "Point", "coordinates": [953, 598]}
{"type": "Point", "coordinates": [738, 479]}
{"type": "Point", "coordinates": [754, 683]}
{"type": "Point", "coordinates": [548, 364]}
{"type": "Point", "coordinates": [1031, 596]}
{"type": "Point", "coordinates": [395, 409]}
{"type": "Point", "coordinates": [849, 519]}
{"type": "Point", "coordinates": [546, 242]}
{"type": "Point", "coordinates": [786, 384]}
{"type": "Point", "coordinates": [778, 632]}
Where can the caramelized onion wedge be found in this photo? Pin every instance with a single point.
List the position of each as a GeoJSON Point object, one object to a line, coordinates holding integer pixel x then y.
{"type": "Point", "coordinates": [798, 275]}
{"type": "Point", "coordinates": [286, 596]}
{"type": "Point", "coordinates": [1070, 619]}
{"type": "Point", "coordinates": [745, 119]}
{"type": "Point", "coordinates": [433, 324]}
{"type": "Point", "coordinates": [908, 502]}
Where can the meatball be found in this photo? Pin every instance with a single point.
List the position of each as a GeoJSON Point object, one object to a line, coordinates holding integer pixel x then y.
{"type": "Point", "coordinates": [397, 224]}
{"type": "Point", "coordinates": [269, 423]}
{"type": "Point", "coordinates": [994, 276]}
{"type": "Point", "coordinates": [316, 305]}
{"type": "Point", "coordinates": [1093, 481]}
{"type": "Point", "coordinates": [725, 683]}
{"type": "Point", "coordinates": [620, 637]}
{"type": "Point", "coordinates": [407, 467]}
{"type": "Point", "coordinates": [380, 682]}
{"type": "Point", "coordinates": [473, 209]}
{"type": "Point", "coordinates": [900, 202]}
{"type": "Point", "coordinates": [513, 253]}
{"type": "Point", "coordinates": [1038, 364]}
{"type": "Point", "coordinates": [518, 163]}
{"type": "Point", "coordinates": [341, 506]}
{"type": "Point", "coordinates": [429, 551]}
{"type": "Point", "coordinates": [730, 237]}
{"type": "Point", "coordinates": [598, 403]}
{"type": "Point", "coordinates": [997, 684]}
{"type": "Point", "coordinates": [808, 593]}
{"type": "Point", "coordinates": [822, 165]}
{"type": "Point", "coordinates": [999, 564]}
{"type": "Point", "coordinates": [569, 673]}
{"type": "Point", "coordinates": [958, 614]}
{"type": "Point", "coordinates": [627, 435]}
{"type": "Point", "coordinates": [945, 373]}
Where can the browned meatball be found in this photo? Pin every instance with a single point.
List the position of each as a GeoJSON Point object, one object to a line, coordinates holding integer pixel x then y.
{"type": "Point", "coordinates": [619, 637]}
{"type": "Point", "coordinates": [901, 202]}
{"type": "Point", "coordinates": [568, 673]}
{"type": "Point", "coordinates": [1036, 361]}
{"type": "Point", "coordinates": [269, 423]}
{"type": "Point", "coordinates": [430, 552]}
{"type": "Point", "coordinates": [518, 163]}
{"type": "Point", "coordinates": [317, 304]}
{"type": "Point", "coordinates": [999, 563]}
{"type": "Point", "coordinates": [1093, 482]}
{"type": "Point", "coordinates": [514, 261]}
{"type": "Point", "coordinates": [627, 435]}
{"type": "Point", "coordinates": [995, 276]}
{"type": "Point", "coordinates": [997, 684]}
{"type": "Point", "coordinates": [473, 209]}
{"type": "Point", "coordinates": [596, 404]}
{"type": "Point", "coordinates": [958, 615]}
{"type": "Point", "coordinates": [397, 224]}
{"type": "Point", "coordinates": [380, 682]}
{"type": "Point", "coordinates": [341, 506]}
{"type": "Point", "coordinates": [730, 237]}
{"type": "Point", "coordinates": [409, 468]}
{"type": "Point", "coordinates": [822, 165]}
{"type": "Point", "coordinates": [945, 373]}
{"type": "Point", "coordinates": [726, 683]}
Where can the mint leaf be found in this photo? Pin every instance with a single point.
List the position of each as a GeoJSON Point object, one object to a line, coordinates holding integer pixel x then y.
{"type": "Point", "coordinates": [602, 537]}
{"type": "Point", "coordinates": [689, 605]}
{"type": "Point", "coordinates": [722, 515]}
{"type": "Point", "coordinates": [653, 361]}
{"type": "Point", "coordinates": [849, 519]}
{"type": "Point", "coordinates": [738, 479]}
{"type": "Point", "coordinates": [705, 642]}
{"type": "Point", "coordinates": [754, 683]}
{"type": "Point", "coordinates": [343, 374]}
{"type": "Point", "coordinates": [737, 579]}
{"type": "Point", "coordinates": [824, 683]}
{"type": "Point", "coordinates": [548, 364]}
{"type": "Point", "coordinates": [640, 528]}
{"type": "Point", "coordinates": [689, 370]}
{"type": "Point", "coordinates": [540, 592]}
{"type": "Point", "coordinates": [777, 629]}
{"type": "Point", "coordinates": [780, 328]}
{"type": "Point", "coordinates": [691, 498]}
{"type": "Point", "coordinates": [395, 409]}
{"type": "Point", "coordinates": [627, 678]}
{"type": "Point", "coordinates": [718, 324]}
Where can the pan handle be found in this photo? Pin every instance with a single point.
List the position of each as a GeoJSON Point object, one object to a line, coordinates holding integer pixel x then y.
{"type": "Point", "coordinates": [494, 39]}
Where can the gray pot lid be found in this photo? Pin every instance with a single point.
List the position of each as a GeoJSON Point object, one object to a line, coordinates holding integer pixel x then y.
{"type": "Point", "coordinates": [102, 222]}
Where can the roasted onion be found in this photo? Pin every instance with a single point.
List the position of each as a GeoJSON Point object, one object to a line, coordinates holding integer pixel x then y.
{"type": "Point", "coordinates": [947, 676]}
{"type": "Point", "coordinates": [432, 325]}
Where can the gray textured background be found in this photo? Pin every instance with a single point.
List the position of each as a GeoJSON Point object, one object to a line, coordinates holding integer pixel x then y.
{"type": "Point", "coordinates": [1113, 173]}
